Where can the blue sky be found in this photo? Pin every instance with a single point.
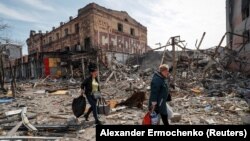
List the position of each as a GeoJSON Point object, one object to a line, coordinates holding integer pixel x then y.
{"type": "Point", "coordinates": [163, 18]}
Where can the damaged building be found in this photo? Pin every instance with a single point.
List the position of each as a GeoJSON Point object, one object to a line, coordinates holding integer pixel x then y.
{"type": "Point", "coordinates": [95, 31]}
{"type": "Point", "coordinates": [238, 30]}
{"type": "Point", "coordinates": [11, 52]}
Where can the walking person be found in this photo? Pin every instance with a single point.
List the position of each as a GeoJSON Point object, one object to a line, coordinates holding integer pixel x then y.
{"type": "Point", "coordinates": [160, 93]}
{"type": "Point", "coordinates": [91, 86]}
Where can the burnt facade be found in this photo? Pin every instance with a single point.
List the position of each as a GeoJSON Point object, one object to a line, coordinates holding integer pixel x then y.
{"type": "Point", "coordinates": [97, 33]}
{"type": "Point", "coordinates": [238, 34]}
{"type": "Point", "coordinates": [95, 27]}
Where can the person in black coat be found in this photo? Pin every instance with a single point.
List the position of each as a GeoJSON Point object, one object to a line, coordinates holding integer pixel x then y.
{"type": "Point", "coordinates": [159, 93]}
{"type": "Point", "coordinates": [91, 85]}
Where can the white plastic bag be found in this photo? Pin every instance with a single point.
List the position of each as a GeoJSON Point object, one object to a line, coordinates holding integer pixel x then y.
{"type": "Point", "coordinates": [170, 111]}
{"type": "Point", "coordinates": [155, 119]}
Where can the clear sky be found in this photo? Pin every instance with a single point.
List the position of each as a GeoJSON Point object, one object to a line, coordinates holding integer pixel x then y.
{"type": "Point", "coordinates": [163, 18]}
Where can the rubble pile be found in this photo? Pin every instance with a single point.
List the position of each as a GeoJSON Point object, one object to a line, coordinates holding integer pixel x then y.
{"type": "Point", "coordinates": [218, 97]}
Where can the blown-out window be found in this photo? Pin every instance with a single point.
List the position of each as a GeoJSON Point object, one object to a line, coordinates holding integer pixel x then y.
{"type": "Point", "coordinates": [66, 32]}
{"type": "Point", "coordinates": [245, 9]}
{"type": "Point", "coordinates": [120, 27]}
{"type": "Point", "coordinates": [77, 28]}
{"type": "Point", "coordinates": [132, 31]}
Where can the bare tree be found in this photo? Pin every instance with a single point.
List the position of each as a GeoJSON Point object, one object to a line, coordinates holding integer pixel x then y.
{"type": "Point", "coordinates": [3, 27]}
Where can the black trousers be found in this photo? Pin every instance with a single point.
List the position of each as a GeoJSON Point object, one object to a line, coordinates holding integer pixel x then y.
{"type": "Point", "coordinates": [164, 119]}
{"type": "Point", "coordinates": [93, 107]}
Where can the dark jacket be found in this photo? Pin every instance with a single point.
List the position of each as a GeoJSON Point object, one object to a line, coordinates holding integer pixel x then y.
{"type": "Point", "coordinates": [159, 93]}
{"type": "Point", "coordinates": [87, 85]}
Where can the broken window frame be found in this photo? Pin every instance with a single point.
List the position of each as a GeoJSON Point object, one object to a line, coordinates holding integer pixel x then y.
{"type": "Point", "coordinates": [66, 32]}
{"type": "Point", "coordinates": [87, 43]}
{"type": "Point", "coordinates": [245, 9]}
{"type": "Point", "coordinates": [50, 39]}
{"type": "Point", "coordinates": [132, 31]}
{"type": "Point", "coordinates": [57, 36]}
{"type": "Point", "coordinates": [77, 28]}
{"type": "Point", "coordinates": [120, 27]}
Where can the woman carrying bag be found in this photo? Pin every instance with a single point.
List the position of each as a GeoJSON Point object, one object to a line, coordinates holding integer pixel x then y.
{"type": "Point", "coordinates": [92, 92]}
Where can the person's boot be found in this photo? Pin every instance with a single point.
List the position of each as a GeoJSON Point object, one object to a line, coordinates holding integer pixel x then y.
{"type": "Point", "coordinates": [86, 117]}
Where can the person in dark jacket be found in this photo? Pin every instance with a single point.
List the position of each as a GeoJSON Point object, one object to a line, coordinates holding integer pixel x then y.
{"type": "Point", "coordinates": [159, 93]}
{"type": "Point", "coordinates": [91, 85]}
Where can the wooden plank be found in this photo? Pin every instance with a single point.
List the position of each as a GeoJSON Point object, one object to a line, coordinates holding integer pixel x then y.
{"type": "Point", "coordinates": [25, 120]}
{"type": "Point", "coordinates": [109, 78]}
{"type": "Point", "coordinates": [27, 137]}
{"type": "Point", "coordinates": [15, 119]}
{"type": "Point", "coordinates": [13, 130]}
{"type": "Point", "coordinates": [14, 112]}
{"type": "Point", "coordinates": [55, 128]}
{"type": "Point", "coordinates": [59, 116]}
{"type": "Point", "coordinates": [60, 92]}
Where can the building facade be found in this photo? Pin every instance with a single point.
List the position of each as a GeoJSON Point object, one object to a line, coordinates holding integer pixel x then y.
{"type": "Point", "coordinates": [9, 54]}
{"type": "Point", "coordinates": [96, 32]}
{"type": "Point", "coordinates": [95, 27]}
{"type": "Point", "coordinates": [11, 51]}
{"type": "Point", "coordinates": [238, 34]}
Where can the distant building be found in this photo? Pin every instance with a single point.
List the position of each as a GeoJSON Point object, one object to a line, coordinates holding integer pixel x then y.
{"type": "Point", "coordinates": [11, 51]}
{"type": "Point", "coordinates": [238, 36]}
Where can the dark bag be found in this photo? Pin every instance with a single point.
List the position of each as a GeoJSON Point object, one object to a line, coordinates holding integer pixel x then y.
{"type": "Point", "coordinates": [78, 106]}
{"type": "Point", "coordinates": [103, 107]}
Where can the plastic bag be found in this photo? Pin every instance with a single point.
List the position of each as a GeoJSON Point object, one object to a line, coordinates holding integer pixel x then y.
{"type": "Point", "coordinates": [146, 119]}
{"type": "Point", "coordinates": [78, 106]}
{"type": "Point", "coordinates": [170, 111]}
{"type": "Point", "coordinates": [155, 119]}
{"type": "Point", "coordinates": [103, 107]}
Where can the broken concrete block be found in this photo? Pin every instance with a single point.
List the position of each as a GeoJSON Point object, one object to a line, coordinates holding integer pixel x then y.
{"type": "Point", "coordinates": [3, 133]}
{"type": "Point", "coordinates": [89, 134]}
{"type": "Point", "coordinates": [184, 74]}
{"type": "Point", "coordinates": [216, 113]}
{"type": "Point", "coordinates": [232, 108]}
{"type": "Point", "coordinates": [130, 122]}
{"type": "Point", "coordinates": [72, 121]}
{"type": "Point", "coordinates": [207, 121]}
{"type": "Point", "coordinates": [176, 117]}
{"type": "Point", "coordinates": [227, 104]}
{"type": "Point", "coordinates": [123, 122]}
{"type": "Point", "coordinates": [246, 120]}
{"type": "Point", "coordinates": [40, 92]}
{"type": "Point", "coordinates": [62, 110]}
{"type": "Point", "coordinates": [243, 103]}
{"type": "Point", "coordinates": [30, 98]}
{"type": "Point", "coordinates": [81, 131]}
{"type": "Point", "coordinates": [130, 117]}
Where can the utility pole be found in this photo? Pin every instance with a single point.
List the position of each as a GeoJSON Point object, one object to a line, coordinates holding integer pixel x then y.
{"type": "Point", "coordinates": [174, 61]}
